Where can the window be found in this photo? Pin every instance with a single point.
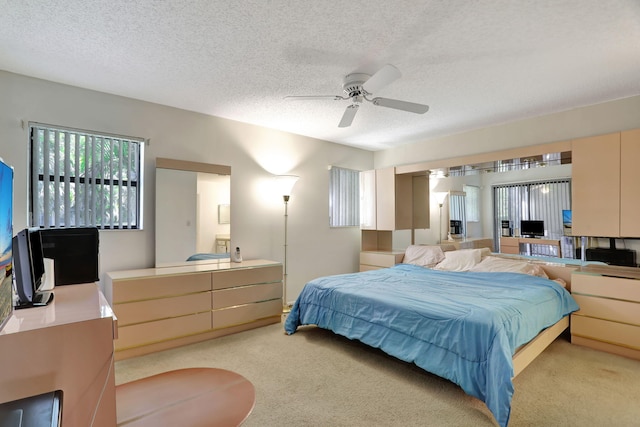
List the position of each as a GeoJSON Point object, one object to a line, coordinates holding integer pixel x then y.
{"type": "Point", "coordinates": [473, 202]}
{"type": "Point", "coordinates": [544, 200]}
{"type": "Point", "coordinates": [344, 197]}
{"type": "Point", "coordinates": [84, 179]}
{"type": "Point", "coordinates": [458, 211]}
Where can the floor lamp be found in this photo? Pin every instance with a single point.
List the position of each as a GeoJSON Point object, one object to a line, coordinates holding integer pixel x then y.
{"type": "Point", "coordinates": [440, 197]}
{"type": "Point", "coordinates": [284, 184]}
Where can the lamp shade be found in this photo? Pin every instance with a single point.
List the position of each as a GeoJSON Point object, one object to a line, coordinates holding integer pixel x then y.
{"type": "Point", "coordinates": [284, 184]}
{"type": "Point", "coordinates": [440, 196]}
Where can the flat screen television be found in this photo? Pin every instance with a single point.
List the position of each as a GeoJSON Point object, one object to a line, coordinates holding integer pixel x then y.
{"type": "Point", "coordinates": [6, 242]}
{"type": "Point", "coordinates": [28, 266]}
{"type": "Point", "coordinates": [532, 228]}
{"type": "Point", "coordinates": [74, 252]}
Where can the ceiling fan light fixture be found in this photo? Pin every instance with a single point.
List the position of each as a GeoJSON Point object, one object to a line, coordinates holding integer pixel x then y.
{"type": "Point", "coordinates": [357, 86]}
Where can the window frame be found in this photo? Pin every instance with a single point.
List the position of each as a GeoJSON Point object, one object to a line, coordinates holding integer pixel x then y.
{"type": "Point", "coordinates": [344, 207]}
{"type": "Point", "coordinates": [68, 181]}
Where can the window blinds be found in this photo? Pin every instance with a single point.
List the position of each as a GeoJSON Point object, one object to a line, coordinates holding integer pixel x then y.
{"type": "Point", "coordinates": [543, 200]}
{"type": "Point", "coordinates": [80, 178]}
{"type": "Point", "coordinates": [344, 197]}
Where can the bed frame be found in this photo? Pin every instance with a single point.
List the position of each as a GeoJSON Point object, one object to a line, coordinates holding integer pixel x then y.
{"type": "Point", "coordinates": [528, 352]}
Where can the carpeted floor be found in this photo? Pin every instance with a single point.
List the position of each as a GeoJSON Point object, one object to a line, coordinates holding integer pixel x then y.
{"type": "Point", "coordinates": [316, 378]}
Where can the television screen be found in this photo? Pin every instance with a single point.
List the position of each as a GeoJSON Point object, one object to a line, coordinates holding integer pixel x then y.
{"type": "Point", "coordinates": [532, 228]}
{"type": "Point", "coordinates": [6, 238]}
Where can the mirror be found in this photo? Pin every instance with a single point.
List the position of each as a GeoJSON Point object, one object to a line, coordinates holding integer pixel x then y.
{"type": "Point", "coordinates": [469, 187]}
{"type": "Point", "coordinates": [193, 203]}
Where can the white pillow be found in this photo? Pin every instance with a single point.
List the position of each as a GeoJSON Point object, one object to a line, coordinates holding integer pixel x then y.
{"type": "Point", "coordinates": [424, 256]}
{"type": "Point", "coordinates": [461, 260]}
{"type": "Point", "coordinates": [492, 263]}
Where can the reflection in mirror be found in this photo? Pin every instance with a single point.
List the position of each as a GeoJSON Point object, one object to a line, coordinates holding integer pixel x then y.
{"type": "Point", "coordinates": [457, 215]}
{"type": "Point", "coordinates": [192, 212]}
{"type": "Point", "coordinates": [473, 183]}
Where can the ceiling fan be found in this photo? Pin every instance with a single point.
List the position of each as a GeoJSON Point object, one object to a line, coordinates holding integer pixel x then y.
{"type": "Point", "coordinates": [359, 87]}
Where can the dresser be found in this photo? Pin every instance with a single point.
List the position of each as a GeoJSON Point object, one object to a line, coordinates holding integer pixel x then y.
{"type": "Point", "coordinates": [161, 308]}
{"type": "Point", "coordinates": [67, 346]}
{"type": "Point", "coordinates": [609, 315]}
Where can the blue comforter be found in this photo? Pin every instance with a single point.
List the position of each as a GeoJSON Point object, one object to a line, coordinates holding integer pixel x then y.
{"type": "Point", "coordinates": [462, 326]}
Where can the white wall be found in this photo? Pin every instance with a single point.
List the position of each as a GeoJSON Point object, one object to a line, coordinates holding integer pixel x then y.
{"type": "Point", "coordinates": [597, 119]}
{"type": "Point", "coordinates": [254, 154]}
{"type": "Point", "coordinates": [587, 121]}
{"type": "Point", "coordinates": [213, 191]}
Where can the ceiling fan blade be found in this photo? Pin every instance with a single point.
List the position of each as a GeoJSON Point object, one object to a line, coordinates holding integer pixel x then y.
{"type": "Point", "coordinates": [412, 107]}
{"type": "Point", "coordinates": [349, 114]}
{"type": "Point", "coordinates": [381, 78]}
{"type": "Point", "coordinates": [308, 97]}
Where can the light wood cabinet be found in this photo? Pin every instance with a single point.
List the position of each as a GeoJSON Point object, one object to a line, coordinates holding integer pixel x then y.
{"type": "Point", "coordinates": [160, 308]}
{"type": "Point", "coordinates": [389, 202]}
{"type": "Point", "coordinates": [609, 315]}
{"type": "Point", "coordinates": [605, 191]}
{"type": "Point", "coordinates": [374, 260]}
{"type": "Point", "coordinates": [630, 183]}
{"type": "Point", "coordinates": [510, 245]}
{"type": "Point", "coordinates": [394, 201]}
{"type": "Point", "coordinates": [595, 185]}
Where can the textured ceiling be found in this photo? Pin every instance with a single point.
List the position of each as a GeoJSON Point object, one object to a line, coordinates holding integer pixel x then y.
{"type": "Point", "coordinates": [475, 63]}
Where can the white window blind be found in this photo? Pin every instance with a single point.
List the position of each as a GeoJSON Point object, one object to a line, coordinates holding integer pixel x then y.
{"type": "Point", "coordinates": [458, 209]}
{"type": "Point", "coordinates": [344, 197]}
{"type": "Point", "coordinates": [543, 200]}
{"type": "Point", "coordinates": [473, 202]}
{"type": "Point", "coordinates": [82, 179]}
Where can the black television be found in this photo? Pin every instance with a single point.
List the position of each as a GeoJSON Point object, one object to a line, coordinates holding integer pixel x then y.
{"type": "Point", "coordinates": [532, 228]}
{"type": "Point", "coordinates": [74, 252]}
{"type": "Point", "coordinates": [28, 269]}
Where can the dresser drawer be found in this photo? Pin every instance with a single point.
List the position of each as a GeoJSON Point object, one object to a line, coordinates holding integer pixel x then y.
{"type": "Point", "coordinates": [245, 313]}
{"type": "Point", "coordinates": [608, 309]}
{"type": "Point", "coordinates": [610, 287]}
{"type": "Point", "coordinates": [161, 330]}
{"type": "Point", "coordinates": [606, 331]}
{"type": "Point", "coordinates": [249, 276]}
{"type": "Point", "coordinates": [161, 308]}
{"type": "Point", "coordinates": [380, 259]}
{"type": "Point", "coordinates": [246, 294]}
{"type": "Point", "coordinates": [156, 287]}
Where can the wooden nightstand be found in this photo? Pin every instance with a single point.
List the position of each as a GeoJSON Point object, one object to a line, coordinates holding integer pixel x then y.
{"type": "Point", "coordinates": [609, 315]}
{"type": "Point", "coordinates": [373, 260]}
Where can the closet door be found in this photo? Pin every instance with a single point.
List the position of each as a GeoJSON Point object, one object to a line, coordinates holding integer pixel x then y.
{"type": "Point", "coordinates": [386, 199]}
{"type": "Point", "coordinates": [596, 185]}
{"type": "Point", "coordinates": [630, 183]}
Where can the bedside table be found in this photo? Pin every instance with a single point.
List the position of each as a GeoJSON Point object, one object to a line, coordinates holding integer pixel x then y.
{"type": "Point", "coordinates": [609, 315]}
{"type": "Point", "coordinates": [373, 260]}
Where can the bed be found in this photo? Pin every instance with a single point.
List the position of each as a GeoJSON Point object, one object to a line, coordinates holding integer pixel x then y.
{"type": "Point", "coordinates": [476, 327]}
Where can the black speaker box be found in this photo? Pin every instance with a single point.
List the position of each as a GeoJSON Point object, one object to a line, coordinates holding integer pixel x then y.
{"type": "Point", "coordinates": [622, 257]}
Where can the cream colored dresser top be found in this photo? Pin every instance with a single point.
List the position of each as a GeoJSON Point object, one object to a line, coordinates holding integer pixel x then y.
{"type": "Point", "coordinates": [160, 308]}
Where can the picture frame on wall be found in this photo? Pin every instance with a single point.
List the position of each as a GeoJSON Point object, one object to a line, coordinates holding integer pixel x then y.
{"type": "Point", "coordinates": [224, 214]}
